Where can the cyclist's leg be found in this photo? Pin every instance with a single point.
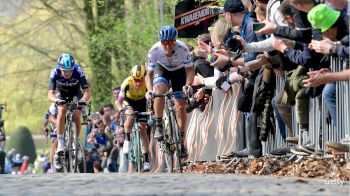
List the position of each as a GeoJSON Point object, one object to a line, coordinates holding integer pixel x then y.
{"type": "Point", "coordinates": [61, 115]}
{"type": "Point", "coordinates": [160, 86]}
{"type": "Point", "coordinates": [178, 81]}
{"type": "Point", "coordinates": [128, 124]}
{"type": "Point", "coordinates": [141, 107]}
{"type": "Point", "coordinates": [77, 113]}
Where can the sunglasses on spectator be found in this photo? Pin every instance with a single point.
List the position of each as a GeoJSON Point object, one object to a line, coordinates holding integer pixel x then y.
{"type": "Point", "coordinates": [168, 43]}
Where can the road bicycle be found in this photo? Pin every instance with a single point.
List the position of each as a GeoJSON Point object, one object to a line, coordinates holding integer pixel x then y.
{"type": "Point", "coordinates": [73, 158]}
{"type": "Point", "coordinates": [171, 145]}
{"type": "Point", "coordinates": [135, 155]}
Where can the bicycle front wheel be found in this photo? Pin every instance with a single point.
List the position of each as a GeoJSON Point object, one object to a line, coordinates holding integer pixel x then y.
{"type": "Point", "coordinates": [138, 150]}
{"type": "Point", "coordinates": [176, 137]}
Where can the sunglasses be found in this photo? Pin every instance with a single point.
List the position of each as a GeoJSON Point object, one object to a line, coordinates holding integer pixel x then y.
{"type": "Point", "coordinates": [138, 80]}
{"type": "Point", "coordinates": [168, 43]}
{"type": "Point", "coordinates": [66, 70]}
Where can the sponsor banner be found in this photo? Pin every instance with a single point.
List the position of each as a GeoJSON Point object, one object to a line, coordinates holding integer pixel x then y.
{"type": "Point", "coordinates": [193, 18]}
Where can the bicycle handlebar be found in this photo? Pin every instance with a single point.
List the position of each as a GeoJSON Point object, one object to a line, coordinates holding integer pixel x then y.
{"type": "Point", "coordinates": [169, 94]}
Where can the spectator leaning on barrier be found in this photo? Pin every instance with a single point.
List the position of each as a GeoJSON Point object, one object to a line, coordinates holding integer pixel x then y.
{"type": "Point", "coordinates": [331, 25]}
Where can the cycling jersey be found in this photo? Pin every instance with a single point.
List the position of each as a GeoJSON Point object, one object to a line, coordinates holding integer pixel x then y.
{"type": "Point", "coordinates": [73, 84]}
{"type": "Point", "coordinates": [129, 91]}
{"type": "Point", "coordinates": [181, 57]}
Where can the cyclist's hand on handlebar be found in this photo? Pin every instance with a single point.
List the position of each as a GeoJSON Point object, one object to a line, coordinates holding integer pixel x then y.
{"type": "Point", "coordinates": [149, 95]}
{"type": "Point", "coordinates": [188, 90]}
{"type": "Point", "coordinates": [60, 102]}
{"type": "Point", "coordinates": [82, 102]}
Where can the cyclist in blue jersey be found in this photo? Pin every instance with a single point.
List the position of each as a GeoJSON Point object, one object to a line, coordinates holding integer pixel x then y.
{"type": "Point", "coordinates": [169, 62]}
{"type": "Point", "coordinates": [67, 83]}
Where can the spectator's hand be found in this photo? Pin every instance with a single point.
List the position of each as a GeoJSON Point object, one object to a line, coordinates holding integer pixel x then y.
{"type": "Point", "coordinates": [323, 46]}
{"type": "Point", "coordinates": [263, 59]}
{"type": "Point", "coordinates": [198, 80]}
{"type": "Point", "coordinates": [149, 95]}
{"type": "Point", "coordinates": [279, 44]}
{"type": "Point", "coordinates": [200, 52]}
{"type": "Point", "coordinates": [199, 95]}
{"type": "Point", "coordinates": [221, 60]}
{"type": "Point", "coordinates": [224, 52]}
{"type": "Point", "coordinates": [206, 47]}
{"type": "Point", "coordinates": [235, 77]}
{"type": "Point", "coordinates": [269, 28]}
{"type": "Point", "coordinates": [240, 39]}
{"type": "Point", "coordinates": [278, 71]}
{"type": "Point", "coordinates": [316, 78]}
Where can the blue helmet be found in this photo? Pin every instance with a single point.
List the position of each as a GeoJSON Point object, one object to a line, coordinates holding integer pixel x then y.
{"type": "Point", "coordinates": [167, 33]}
{"type": "Point", "coordinates": [65, 61]}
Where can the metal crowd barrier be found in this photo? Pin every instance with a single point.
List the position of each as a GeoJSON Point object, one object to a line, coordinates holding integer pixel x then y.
{"type": "Point", "coordinates": [321, 129]}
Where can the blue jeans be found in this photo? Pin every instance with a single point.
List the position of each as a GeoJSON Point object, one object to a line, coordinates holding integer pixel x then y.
{"type": "Point", "coordinates": [328, 95]}
{"type": "Point", "coordinates": [279, 119]}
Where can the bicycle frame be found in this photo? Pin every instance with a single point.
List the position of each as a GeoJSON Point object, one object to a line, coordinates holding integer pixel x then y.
{"type": "Point", "coordinates": [135, 156]}
{"type": "Point", "coordinates": [172, 138]}
{"type": "Point", "coordinates": [71, 143]}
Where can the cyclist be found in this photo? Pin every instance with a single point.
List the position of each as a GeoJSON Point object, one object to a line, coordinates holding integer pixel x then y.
{"type": "Point", "coordinates": [132, 98]}
{"type": "Point", "coordinates": [169, 60]}
{"type": "Point", "coordinates": [67, 83]}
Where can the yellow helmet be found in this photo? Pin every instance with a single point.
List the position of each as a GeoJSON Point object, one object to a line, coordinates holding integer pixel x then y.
{"type": "Point", "coordinates": [138, 72]}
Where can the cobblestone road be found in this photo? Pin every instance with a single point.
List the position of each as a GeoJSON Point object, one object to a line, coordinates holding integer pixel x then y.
{"type": "Point", "coordinates": [166, 184]}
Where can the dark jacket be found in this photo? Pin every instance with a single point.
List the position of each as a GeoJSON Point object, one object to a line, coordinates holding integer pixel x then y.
{"type": "Point", "coordinates": [302, 31]}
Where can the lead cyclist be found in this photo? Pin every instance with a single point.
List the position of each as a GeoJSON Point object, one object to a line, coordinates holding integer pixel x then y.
{"type": "Point", "coordinates": [169, 61]}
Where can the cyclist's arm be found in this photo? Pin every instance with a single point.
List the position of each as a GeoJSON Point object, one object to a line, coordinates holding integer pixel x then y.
{"type": "Point", "coordinates": [151, 64]}
{"type": "Point", "coordinates": [44, 125]}
{"type": "Point", "coordinates": [149, 80]}
{"type": "Point", "coordinates": [86, 95]}
{"type": "Point", "coordinates": [52, 86]}
{"type": "Point", "coordinates": [84, 84]}
{"type": "Point", "coordinates": [52, 120]}
{"type": "Point", "coordinates": [190, 75]}
{"type": "Point", "coordinates": [51, 96]}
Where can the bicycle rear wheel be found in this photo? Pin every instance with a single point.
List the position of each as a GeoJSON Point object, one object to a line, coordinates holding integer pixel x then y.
{"type": "Point", "coordinates": [176, 137]}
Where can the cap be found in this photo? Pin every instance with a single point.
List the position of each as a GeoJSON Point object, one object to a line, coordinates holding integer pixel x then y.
{"type": "Point", "coordinates": [322, 17]}
{"type": "Point", "coordinates": [233, 6]}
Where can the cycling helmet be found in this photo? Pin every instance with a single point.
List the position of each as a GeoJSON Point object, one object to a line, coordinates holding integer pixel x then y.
{"type": "Point", "coordinates": [138, 72]}
{"type": "Point", "coordinates": [65, 61]}
{"type": "Point", "coordinates": [167, 33]}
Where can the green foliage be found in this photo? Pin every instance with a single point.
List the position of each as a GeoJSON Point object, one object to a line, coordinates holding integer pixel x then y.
{"type": "Point", "coordinates": [21, 140]}
{"type": "Point", "coordinates": [106, 43]}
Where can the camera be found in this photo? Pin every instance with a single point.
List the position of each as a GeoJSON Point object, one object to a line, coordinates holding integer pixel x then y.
{"type": "Point", "coordinates": [317, 34]}
{"type": "Point", "coordinates": [232, 44]}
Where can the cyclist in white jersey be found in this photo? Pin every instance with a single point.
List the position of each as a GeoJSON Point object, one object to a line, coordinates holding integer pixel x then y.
{"type": "Point", "coordinates": [169, 61]}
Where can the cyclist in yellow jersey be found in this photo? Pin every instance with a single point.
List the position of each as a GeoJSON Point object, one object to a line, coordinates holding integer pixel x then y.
{"type": "Point", "coordinates": [132, 98]}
